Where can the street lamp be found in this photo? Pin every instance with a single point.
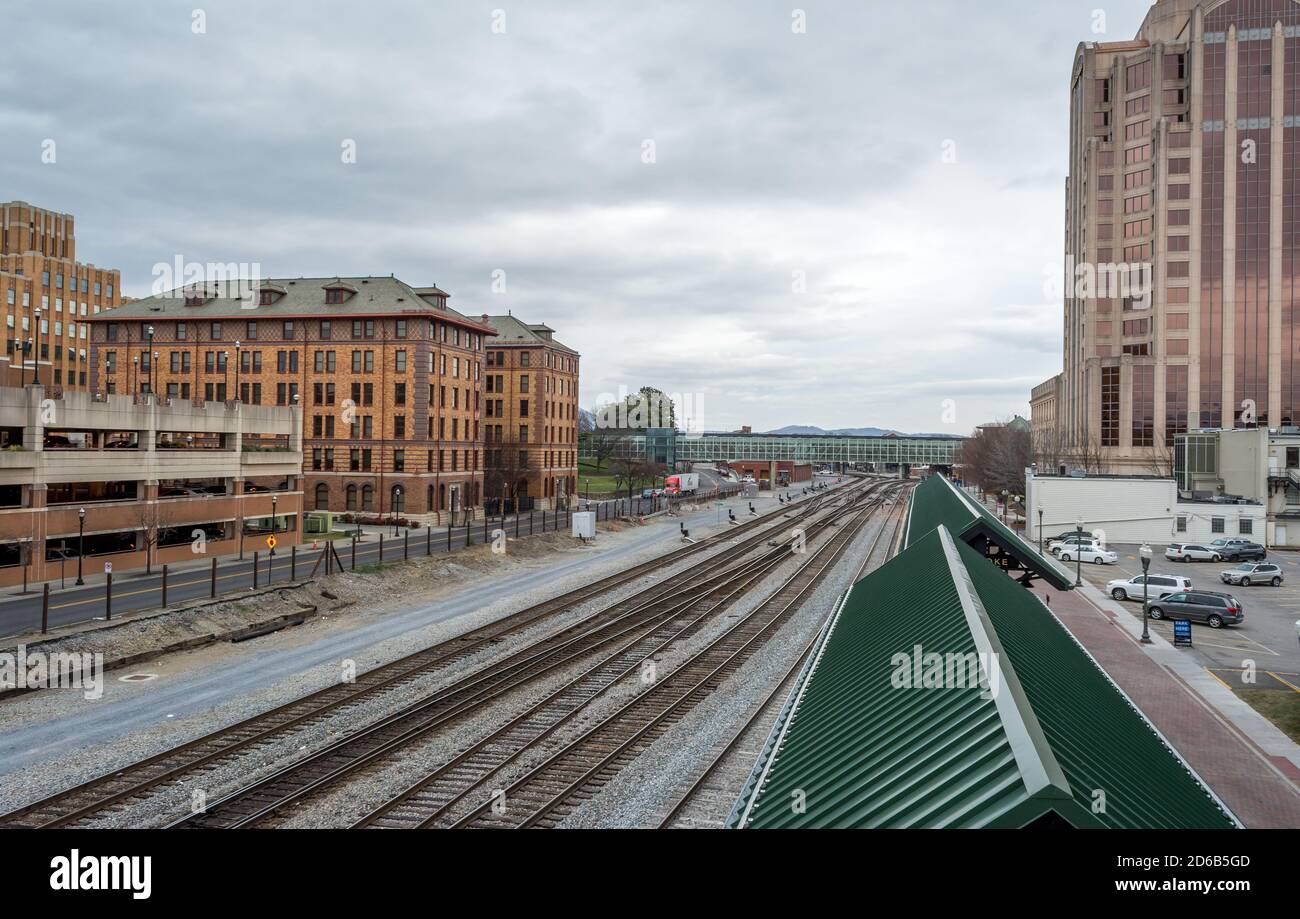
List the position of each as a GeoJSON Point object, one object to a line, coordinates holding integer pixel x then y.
{"type": "Point", "coordinates": [1004, 507]}
{"type": "Point", "coordinates": [1078, 554]}
{"type": "Point", "coordinates": [238, 358]}
{"type": "Point", "coordinates": [153, 357]}
{"type": "Point", "coordinates": [1040, 531]}
{"type": "Point", "coordinates": [397, 499]}
{"type": "Point", "coordinates": [1145, 553]}
{"type": "Point", "coordinates": [274, 500]}
{"type": "Point", "coordinates": [81, 542]}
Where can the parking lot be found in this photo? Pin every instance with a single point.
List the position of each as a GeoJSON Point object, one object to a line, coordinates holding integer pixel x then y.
{"type": "Point", "coordinates": [1267, 637]}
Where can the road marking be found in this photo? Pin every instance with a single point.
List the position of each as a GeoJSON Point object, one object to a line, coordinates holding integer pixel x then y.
{"type": "Point", "coordinates": [171, 585]}
{"type": "Point", "coordinates": [1219, 678]}
{"type": "Point", "coordinates": [1282, 681]}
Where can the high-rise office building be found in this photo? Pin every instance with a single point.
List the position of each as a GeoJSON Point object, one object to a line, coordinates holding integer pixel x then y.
{"type": "Point", "coordinates": [1182, 235]}
{"type": "Point", "coordinates": [46, 296]}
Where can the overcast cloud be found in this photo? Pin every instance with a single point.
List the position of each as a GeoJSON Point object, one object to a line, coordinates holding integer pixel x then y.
{"type": "Point", "coordinates": [775, 153]}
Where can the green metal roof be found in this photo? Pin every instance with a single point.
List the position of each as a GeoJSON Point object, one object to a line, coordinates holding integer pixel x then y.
{"type": "Point", "coordinates": [1039, 738]}
{"type": "Point", "coordinates": [937, 501]}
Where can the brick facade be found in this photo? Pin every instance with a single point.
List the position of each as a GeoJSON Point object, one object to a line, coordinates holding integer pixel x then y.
{"type": "Point", "coordinates": [47, 296]}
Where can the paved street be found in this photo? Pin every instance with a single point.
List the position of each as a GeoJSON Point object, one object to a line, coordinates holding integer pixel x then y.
{"type": "Point", "coordinates": [134, 590]}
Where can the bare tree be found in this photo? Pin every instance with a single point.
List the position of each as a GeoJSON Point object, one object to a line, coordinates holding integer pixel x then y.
{"type": "Point", "coordinates": [996, 457]}
{"type": "Point", "coordinates": [505, 465]}
{"type": "Point", "coordinates": [154, 520]}
{"type": "Point", "coordinates": [606, 443]}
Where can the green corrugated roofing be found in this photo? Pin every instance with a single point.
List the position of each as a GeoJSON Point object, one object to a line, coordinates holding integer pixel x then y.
{"type": "Point", "coordinates": [937, 501]}
{"type": "Point", "coordinates": [852, 750]}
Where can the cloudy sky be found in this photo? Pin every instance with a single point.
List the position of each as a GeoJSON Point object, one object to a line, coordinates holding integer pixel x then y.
{"type": "Point", "coordinates": [841, 226]}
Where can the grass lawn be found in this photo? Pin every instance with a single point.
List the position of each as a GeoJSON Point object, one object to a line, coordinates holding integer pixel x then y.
{"type": "Point", "coordinates": [1278, 706]}
{"type": "Point", "coordinates": [601, 482]}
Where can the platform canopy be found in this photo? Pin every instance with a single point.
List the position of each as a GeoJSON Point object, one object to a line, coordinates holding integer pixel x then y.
{"type": "Point", "coordinates": [943, 694]}
{"type": "Point", "coordinates": [937, 501]}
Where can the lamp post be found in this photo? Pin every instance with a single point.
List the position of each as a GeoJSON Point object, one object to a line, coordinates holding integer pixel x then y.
{"type": "Point", "coordinates": [1145, 553]}
{"type": "Point", "coordinates": [135, 369]}
{"type": "Point", "coordinates": [1040, 531]}
{"type": "Point", "coordinates": [238, 358]}
{"type": "Point", "coordinates": [274, 500]}
{"type": "Point", "coordinates": [1078, 555]}
{"type": "Point", "coordinates": [81, 542]}
{"type": "Point", "coordinates": [225, 359]}
{"type": "Point", "coordinates": [397, 499]}
{"type": "Point", "coordinates": [1005, 498]}
{"type": "Point", "coordinates": [152, 357]}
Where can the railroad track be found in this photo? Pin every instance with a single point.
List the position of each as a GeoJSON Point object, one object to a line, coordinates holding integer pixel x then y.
{"type": "Point", "coordinates": [709, 798]}
{"type": "Point", "coordinates": [124, 786]}
{"type": "Point", "coordinates": [552, 789]}
{"type": "Point", "coordinates": [449, 784]}
{"type": "Point", "coordinates": [263, 802]}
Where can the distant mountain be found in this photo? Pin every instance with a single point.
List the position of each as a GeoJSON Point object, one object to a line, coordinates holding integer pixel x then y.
{"type": "Point", "coordinates": [797, 429]}
{"type": "Point", "coordinates": [810, 430]}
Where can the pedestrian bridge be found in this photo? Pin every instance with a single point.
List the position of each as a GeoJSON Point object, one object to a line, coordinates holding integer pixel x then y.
{"type": "Point", "coordinates": [815, 449]}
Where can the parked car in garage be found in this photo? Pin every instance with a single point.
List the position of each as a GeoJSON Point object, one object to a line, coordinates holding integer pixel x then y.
{"type": "Point", "coordinates": [1192, 552]}
{"type": "Point", "coordinates": [1244, 552]}
{"type": "Point", "coordinates": [1209, 606]}
{"type": "Point", "coordinates": [1248, 573]}
{"type": "Point", "coordinates": [1092, 553]}
{"type": "Point", "coordinates": [1158, 586]}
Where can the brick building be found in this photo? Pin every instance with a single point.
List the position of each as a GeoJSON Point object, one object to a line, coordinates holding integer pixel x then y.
{"type": "Point", "coordinates": [388, 376]}
{"type": "Point", "coordinates": [530, 413]}
{"type": "Point", "coordinates": [47, 295]}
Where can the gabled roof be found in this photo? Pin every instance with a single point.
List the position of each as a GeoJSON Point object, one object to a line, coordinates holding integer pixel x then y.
{"type": "Point", "coordinates": [373, 296]}
{"type": "Point", "coordinates": [937, 501]}
{"type": "Point", "coordinates": [1044, 736]}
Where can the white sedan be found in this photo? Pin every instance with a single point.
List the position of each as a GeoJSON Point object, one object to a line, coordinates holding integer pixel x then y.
{"type": "Point", "coordinates": [1056, 547]}
{"type": "Point", "coordinates": [1095, 554]}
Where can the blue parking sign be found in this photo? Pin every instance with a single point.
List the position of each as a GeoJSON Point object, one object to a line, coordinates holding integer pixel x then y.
{"type": "Point", "coordinates": [1182, 633]}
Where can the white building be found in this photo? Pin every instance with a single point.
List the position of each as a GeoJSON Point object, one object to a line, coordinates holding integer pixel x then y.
{"type": "Point", "coordinates": [1134, 509]}
{"type": "Point", "coordinates": [1258, 464]}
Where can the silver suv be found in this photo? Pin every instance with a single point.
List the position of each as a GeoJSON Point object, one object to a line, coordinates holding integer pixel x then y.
{"type": "Point", "coordinates": [1248, 573]}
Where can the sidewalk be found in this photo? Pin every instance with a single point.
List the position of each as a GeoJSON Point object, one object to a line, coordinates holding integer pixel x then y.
{"type": "Point", "coordinates": [1251, 765]}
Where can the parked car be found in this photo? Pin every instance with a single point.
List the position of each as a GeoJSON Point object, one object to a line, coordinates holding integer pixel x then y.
{"type": "Point", "coordinates": [1244, 551]}
{"type": "Point", "coordinates": [1158, 586]}
{"type": "Point", "coordinates": [1089, 552]}
{"type": "Point", "coordinates": [1209, 606]}
{"type": "Point", "coordinates": [1248, 573]}
{"type": "Point", "coordinates": [1057, 548]}
{"type": "Point", "coordinates": [1224, 542]}
{"type": "Point", "coordinates": [1192, 552]}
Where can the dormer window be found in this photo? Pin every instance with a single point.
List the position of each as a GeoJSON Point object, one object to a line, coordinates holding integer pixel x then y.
{"type": "Point", "coordinates": [339, 291]}
{"type": "Point", "coordinates": [266, 297]}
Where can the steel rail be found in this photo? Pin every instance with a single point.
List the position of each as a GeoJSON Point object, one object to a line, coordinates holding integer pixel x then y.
{"type": "Point", "coordinates": [94, 795]}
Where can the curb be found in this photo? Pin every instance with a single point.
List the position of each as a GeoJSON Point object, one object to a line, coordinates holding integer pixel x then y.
{"type": "Point", "coordinates": [1265, 735]}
